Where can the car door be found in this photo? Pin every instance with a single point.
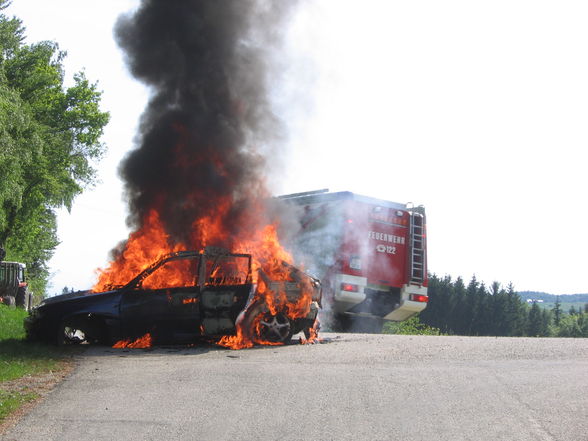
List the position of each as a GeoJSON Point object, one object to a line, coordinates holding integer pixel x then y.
{"type": "Point", "coordinates": [165, 302]}
{"type": "Point", "coordinates": [226, 285]}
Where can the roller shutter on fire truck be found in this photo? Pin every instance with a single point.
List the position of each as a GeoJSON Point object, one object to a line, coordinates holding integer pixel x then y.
{"type": "Point", "coordinates": [370, 253]}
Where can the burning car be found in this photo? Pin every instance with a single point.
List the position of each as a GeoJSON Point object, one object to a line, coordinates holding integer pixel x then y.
{"type": "Point", "coordinates": [184, 296]}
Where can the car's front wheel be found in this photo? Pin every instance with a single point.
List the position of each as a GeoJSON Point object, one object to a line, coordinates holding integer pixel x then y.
{"type": "Point", "coordinates": [274, 328]}
{"type": "Point", "coordinates": [260, 326]}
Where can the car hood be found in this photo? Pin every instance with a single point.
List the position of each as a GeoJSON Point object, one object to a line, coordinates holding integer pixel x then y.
{"type": "Point", "coordinates": [70, 296]}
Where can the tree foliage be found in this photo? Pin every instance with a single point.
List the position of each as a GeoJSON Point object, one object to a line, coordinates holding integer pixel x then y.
{"type": "Point", "coordinates": [49, 141]}
{"type": "Point", "coordinates": [573, 325]}
{"type": "Point", "coordinates": [476, 310]}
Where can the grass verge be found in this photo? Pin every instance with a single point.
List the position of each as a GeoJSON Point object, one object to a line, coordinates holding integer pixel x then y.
{"type": "Point", "coordinates": [412, 326]}
{"type": "Point", "coordinates": [11, 401]}
{"type": "Point", "coordinates": [27, 370]}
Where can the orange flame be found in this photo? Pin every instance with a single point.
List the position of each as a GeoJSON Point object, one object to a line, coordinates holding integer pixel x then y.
{"type": "Point", "coordinates": [151, 242]}
{"type": "Point", "coordinates": [143, 247]}
{"type": "Point", "coordinates": [238, 341]}
{"type": "Point", "coordinates": [313, 337]}
{"type": "Point", "coordinates": [276, 299]}
{"type": "Point", "coordinates": [141, 342]}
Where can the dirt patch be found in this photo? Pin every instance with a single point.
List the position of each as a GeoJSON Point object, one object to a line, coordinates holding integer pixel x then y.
{"type": "Point", "coordinates": [39, 385]}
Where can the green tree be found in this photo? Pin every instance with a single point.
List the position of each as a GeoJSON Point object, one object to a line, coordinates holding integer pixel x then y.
{"type": "Point", "coordinates": [573, 326]}
{"type": "Point", "coordinates": [514, 314]}
{"type": "Point", "coordinates": [557, 311]}
{"type": "Point", "coordinates": [459, 319]}
{"type": "Point", "coordinates": [50, 137]}
{"type": "Point", "coordinates": [471, 308]}
{"type": "Point", "coordinates": [545, 322]}
{"type": "Point", "coordinates": [440, 309]}
{"type": "Point", "coordinates": [535, 326]}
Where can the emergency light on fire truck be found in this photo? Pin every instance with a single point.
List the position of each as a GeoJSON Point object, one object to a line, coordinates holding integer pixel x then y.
{"type": "Point", "coordinates": [370, 254]}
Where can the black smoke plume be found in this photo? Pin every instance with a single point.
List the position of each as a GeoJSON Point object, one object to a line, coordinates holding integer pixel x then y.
{"type": "Point", "coordinates": [209, 118]}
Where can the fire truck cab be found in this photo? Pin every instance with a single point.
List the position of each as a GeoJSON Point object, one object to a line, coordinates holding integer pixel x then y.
{"type": "Point", "coordinates": [369, 253]}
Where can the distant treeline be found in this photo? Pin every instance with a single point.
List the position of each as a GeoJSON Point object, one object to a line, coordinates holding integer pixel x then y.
{"type": "Point", "coordinates": [475, 309]}
{"type": "Point", "coordinates": [552, 298]}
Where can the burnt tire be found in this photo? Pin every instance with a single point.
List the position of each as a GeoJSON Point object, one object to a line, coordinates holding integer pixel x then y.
{"type": "Point", "coordinates": [274, 328]}
{"type": "Point", "coordinates": [260, 325]}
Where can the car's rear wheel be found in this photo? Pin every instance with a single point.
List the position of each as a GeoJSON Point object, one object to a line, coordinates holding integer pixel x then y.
{"type": "Point", "coordinates": [77, 330]}
{"type": "Point", "coordinates": [70, 334]}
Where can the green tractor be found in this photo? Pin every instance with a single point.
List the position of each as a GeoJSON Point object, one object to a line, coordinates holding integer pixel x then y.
{"type": "Point", "coordinates": [13, 285]}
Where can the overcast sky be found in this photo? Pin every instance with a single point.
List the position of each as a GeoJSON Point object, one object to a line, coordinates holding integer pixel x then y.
{"type": "Point", "coordinates": [477, 110]}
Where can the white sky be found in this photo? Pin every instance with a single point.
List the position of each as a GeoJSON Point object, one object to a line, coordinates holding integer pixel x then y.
{"type": "Point", "coordinates": [477, 110]}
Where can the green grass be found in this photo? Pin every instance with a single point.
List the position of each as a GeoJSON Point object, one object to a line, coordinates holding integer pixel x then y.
{"type": "Point", "coordinates": [11, 323]}
{"type": "Point", "coordinates": [19, 358]}
{"type": "Point", "coordinates": [11, 401]}
{"type": "Point", "coordinates": [412, 326]}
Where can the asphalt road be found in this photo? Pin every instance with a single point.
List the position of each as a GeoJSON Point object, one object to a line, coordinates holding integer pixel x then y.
{"type": "Point", "coordinates": [355, 387]}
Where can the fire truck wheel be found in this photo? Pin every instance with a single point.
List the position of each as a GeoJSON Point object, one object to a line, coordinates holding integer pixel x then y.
{"type": "Point", "coordinates": [367, 325]}
{"type": "Point", "coordinates": [275, 328]}
{"type": "Point", "coordinates": [340, 323]}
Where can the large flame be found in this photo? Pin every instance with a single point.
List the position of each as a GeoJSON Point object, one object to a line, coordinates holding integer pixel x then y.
{"type": "Point", "coordinates": [151, 243]}
{"type": "Point", "coordinates": [143, 247]}
{"type": "Point", "coordinates": [269, 259]}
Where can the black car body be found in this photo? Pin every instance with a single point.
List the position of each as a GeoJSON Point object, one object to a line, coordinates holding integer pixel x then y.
{"type": "Point", "coordinates": [204, 295]}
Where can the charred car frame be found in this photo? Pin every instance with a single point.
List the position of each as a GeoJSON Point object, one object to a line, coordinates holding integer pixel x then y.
{"type": "Point", "coordinates": [182, 297]}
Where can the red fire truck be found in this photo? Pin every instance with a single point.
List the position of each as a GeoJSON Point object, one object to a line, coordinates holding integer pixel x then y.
{"type": "Point", "coordinates": [370, 254]}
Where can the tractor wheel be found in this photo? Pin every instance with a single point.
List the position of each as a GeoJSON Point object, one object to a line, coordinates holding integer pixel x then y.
{"type": "Point", "coordinates": [9, 301]}
{"type": "Point", "coordinates": [22, 298]}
